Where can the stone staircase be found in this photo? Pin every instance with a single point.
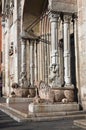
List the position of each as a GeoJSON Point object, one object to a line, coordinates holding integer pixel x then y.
{"type": "Point", "coordinates": [80, 123]}
{"type": "Point", "coordinates": [21, 116]}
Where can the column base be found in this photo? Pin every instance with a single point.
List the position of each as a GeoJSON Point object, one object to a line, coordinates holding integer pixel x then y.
{"type": "Point", "coordinates": [24, 92]}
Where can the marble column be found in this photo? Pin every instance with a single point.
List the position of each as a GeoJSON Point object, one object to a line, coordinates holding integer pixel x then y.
{"type": "Point", "coordinates": [23, 55]}
{"type": "Point", "coordinates": [61, 62]}
{"type": "Point", "coordinates": [76, 50]}
{"type": "Point", "coordinates": [67, 58]}
{"type": "Point", "coordinates": [32, 78]}
{"type": "Point", "coordinates": [54, 66]}
{"type": "Point", "coordinates": [35, 62]}
{"type": "Point", "coordinates": [77, 58]}
{"type": "Point", "coordinates": [23, 78]}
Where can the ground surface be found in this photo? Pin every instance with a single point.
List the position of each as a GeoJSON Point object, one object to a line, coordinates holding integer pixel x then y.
{"type": "Point", "coordinates": [7, 123]}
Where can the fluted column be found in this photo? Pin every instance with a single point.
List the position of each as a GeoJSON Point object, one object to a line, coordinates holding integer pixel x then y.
{"type": "Point", "coordinates": [54, 67]}
{"type": "Point", "coordinates": [67, 58]}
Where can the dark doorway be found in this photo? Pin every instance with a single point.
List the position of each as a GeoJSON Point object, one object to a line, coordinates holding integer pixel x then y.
{"type": "Point", "coordinates": [73, 67]}
{"type": "Point", "coordinates": [73, 70]}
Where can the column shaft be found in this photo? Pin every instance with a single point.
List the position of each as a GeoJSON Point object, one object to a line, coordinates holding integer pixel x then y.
{"type": "Point", "coordinates": [54, 39]}
{"type": "Point", "coordinates": [23, 56]}
{"type": "Point", "coordinates": [23, 78]}
{"type": "Point", "coordinates": [32, 63]}
{"type": "Point", "coordinates": [54, 66]}
{"type": "Point", "coordinates": [67, 58]}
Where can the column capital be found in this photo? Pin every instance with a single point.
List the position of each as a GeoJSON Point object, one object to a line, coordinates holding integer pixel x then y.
{"type": "Point", "coordinates": [75, 18]}
{"type": "Point", "coordinates": [24, 35]}
{"type": "Point", "coordinates": [67, 18]}
{"type": "Point", "coordinates": [54, 16]}
{"type": "Point", "coordinates": [23, 41]}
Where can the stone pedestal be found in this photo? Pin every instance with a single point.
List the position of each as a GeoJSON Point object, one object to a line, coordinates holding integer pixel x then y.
{"type": "Point", "coordinates": [64, 94]}
{"type": "Point", "coordinates": [45, 108]}
{"type": "Point", "coordinates": [18, 100]}
{"type": "Point", "coordinates": [59, 94]}
{"type": "Point", "coordinates": [21, 92]}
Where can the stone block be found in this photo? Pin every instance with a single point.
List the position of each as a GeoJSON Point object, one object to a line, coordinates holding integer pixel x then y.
{"type": "Point", "coordinates": [83, 93]}
{"type": "Point", "coordinates": [18, 100]}
{"type": "Point", "coordinates": [67, 6]}
{"type": "Point", "coordinates": [21, 92]}
{"type": "Point", "coordinates": [40, 108]}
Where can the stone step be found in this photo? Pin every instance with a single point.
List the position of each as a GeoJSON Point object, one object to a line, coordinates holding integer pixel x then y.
{"type": "Point", "coordinates": [12, 114]}
{"type": "Point", "coordinates": [23, 117]}
{"type": "Point", "coordinates": [44, 114]}
{"type": "Point", "coordinates": [52, 114]}
{"type": "Point", "coordinates": [14, 110]}
{"type": "Point", "coordinates": [80, 123]}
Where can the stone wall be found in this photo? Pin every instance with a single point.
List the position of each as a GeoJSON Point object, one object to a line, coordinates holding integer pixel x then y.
{"type": "Point", "coordinates": [0, 44]}
{"type": "Point", "coordinates": [67, 6]}
{"type": "Point", "coordinates": [82, 47]}
{"type": "Point", "coordinates": [11, 32]}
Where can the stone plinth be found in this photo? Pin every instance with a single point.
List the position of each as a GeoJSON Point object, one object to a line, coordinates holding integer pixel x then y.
{"type": "Point", "coordinates": [61, 93]}
{"type": "Point", "coordinates": [18, 100]}
{"type": "Point", "coordinates": [58, 94]}
{"type": "Point", "coordinates": [21, 92]}
{"type": "Point", "coordinates": [40, 108]}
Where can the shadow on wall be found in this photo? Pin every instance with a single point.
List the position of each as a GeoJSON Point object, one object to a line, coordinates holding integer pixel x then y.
{"type": "Point", "coordinates": [0, 87]}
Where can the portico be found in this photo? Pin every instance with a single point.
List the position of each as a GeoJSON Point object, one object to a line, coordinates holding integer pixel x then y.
{"type": "Point", "coordinates": [44, 50]}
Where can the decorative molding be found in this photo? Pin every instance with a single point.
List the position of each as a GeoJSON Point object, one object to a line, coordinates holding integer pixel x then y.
{"type": "Point", "coordinates": [67, 18]}
{"type": "Point", "coordinates": [54, 16]}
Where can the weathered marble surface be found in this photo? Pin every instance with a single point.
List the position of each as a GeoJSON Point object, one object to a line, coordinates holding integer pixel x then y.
{"type": "Point", "coordinates": [63, 5]}
{"type": "Point", "coordinates": [52, 107]}
{"type": "Point", "coordinates": [56, 94]}
{"type": "Point", "coordinates": [82, 49]}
